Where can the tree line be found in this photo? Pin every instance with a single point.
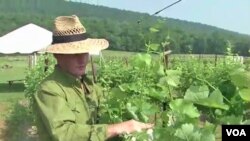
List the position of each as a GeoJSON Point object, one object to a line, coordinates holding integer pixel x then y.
{"type": "Point", "coordinates": [125, 30]}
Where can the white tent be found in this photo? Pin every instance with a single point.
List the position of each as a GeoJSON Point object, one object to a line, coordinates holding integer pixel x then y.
{"type": "Point", "coordinates": [25, 40]}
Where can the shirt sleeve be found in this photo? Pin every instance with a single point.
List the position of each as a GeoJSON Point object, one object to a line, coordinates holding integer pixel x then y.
{"type": "Point", "coordinates": [60, 122]}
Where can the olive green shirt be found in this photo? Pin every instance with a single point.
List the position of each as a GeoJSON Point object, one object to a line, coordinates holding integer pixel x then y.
{"type": "Point", "coordinates": [66, 109]}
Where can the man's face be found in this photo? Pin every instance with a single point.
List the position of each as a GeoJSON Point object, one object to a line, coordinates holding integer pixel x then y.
{"type": "Point", "coordinates": [75, 64]}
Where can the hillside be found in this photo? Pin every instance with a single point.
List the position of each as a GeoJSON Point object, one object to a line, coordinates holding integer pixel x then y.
{"type": "Point", "coordinates": [126, 30]}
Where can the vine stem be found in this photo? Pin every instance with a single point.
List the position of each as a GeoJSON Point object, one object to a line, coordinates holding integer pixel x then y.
{"type": "Point", "coordinates": [209, 84]}
{"type": "Point", "coordinates": [206, 83]}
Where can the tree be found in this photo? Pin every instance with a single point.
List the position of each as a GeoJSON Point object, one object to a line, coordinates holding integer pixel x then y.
{"type": "Point", "coordinates": [216, 43]}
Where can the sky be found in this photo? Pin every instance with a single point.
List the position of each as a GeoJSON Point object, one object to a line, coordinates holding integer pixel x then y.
{"type": "Point", "coordinates": [233, 15]}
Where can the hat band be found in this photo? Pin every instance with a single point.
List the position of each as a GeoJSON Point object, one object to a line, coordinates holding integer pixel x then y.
{"type": "Point", "coordinates": [69, 38]}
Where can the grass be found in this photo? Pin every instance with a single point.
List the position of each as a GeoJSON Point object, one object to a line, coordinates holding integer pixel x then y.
{"type": "Point", "coordinates": [9, 98]}
{"type": "Point", "coordinates": [7, 101]}
{"type": "Point", "coordinates": [9, 95]}
{"type": "Point", "coordinates": [13, 67]}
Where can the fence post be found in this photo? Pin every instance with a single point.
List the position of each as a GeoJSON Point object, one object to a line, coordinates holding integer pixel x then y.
{"type": "Point", "coordinates": [166, 58]}
{"type": "Point", "coordinates": [215, 60]}
{"type": "Point", "coordinates": [93, 69]}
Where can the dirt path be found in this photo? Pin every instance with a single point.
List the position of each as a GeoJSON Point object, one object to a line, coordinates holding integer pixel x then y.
{"type": "Point", "coordinates": [2, 128]}
{"type": "Point", "coordinates": [3, 110]}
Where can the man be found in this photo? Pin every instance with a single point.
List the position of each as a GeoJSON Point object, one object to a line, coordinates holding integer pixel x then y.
{"type": "Point", "coordinates": [66, 102]}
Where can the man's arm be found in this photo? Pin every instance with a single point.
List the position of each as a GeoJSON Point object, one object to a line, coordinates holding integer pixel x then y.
{"type": "Point", "coordinates": [127, 127]}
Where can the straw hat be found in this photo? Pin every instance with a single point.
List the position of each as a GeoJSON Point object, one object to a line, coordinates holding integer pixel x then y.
{"type": "Point", "coordinates": [69, 37]}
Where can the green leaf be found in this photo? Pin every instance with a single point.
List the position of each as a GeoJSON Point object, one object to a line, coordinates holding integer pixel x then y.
{"type": "Point", "coordinates": [246, 122]}
{"type": "Point", "coordinates": [187, 133]}
{"type": "Point", "coordinates": [200, 95]}
{"type": "Point", "coordinates": [172, 78]}
{"type": "Point", "coordinates": [245, 94]}
{"type": "Point", "coordinates": [165, 43]}
{"type": "Point", "coordinates": [152, 93]}
{"type": "Point", "coordinates": [195, 93]}
{"type": "Point", "coordinates": [173, 81]}
{"type": "Point", "coordinates": [159, 69]}
{"type": "Point", "coordinates": [147, 59]}
{"type": "Point", "coordinates": [184, 107]}
{"type": "Point", "coordinates": [133, 87]}
{"type": "Point", "coordinates": [153, 47]}
{"type": "Point", "coordinates": [231, 119]}
{"type": "Point", "coordinates": [208, 132]}
{"type": "Point", "coordinates": [118, 93]}
{"type": "Point", "coordinates": [141, 60]}
{"type": "Point", "coordinates": [161, 134]}
{"type": "Point", "coordinates": [173, 72]}
{"type": "Point", "coordinates": [148, 108]}
{"type": "Point", "coordinates": [241, 79]}
{"type": "Point", "coordinates": [132, 111]}
{"type": "Point", "coordinates": [143, 117]}
{"type": "Point", "coordinates": [153, 30]}
{"type": "Point", "coordinates": [215, 100]}
{"type": "Point", "coordinates": [207, 136]}
{"type": "Point", "coordinates": [162, 82]}
{"type": "Point", "coordinates": [209, 127]}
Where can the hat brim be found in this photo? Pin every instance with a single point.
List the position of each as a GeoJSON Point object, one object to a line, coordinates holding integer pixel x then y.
{"type": "Point", "coordinates": [85, 46]}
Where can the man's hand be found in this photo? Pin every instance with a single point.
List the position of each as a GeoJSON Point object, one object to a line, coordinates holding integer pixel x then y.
{"type": "Point", "coordinates": [127, 127]}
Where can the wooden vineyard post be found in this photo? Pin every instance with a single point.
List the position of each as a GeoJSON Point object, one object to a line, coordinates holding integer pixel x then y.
{"type": "Point", "coordinates": [93, 69]}
{"type": "Point", "coordinates": [126, 61]}
{"type": "Point", "coordinates": [215, 60]}
{"type": "Point", "coordinates": [166, 58]}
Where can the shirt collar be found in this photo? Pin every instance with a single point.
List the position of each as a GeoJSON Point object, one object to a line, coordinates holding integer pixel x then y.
{"type": "Point", "coordinates": [65, 76]}
{"type": "Point", "coordinates": [69, 79]}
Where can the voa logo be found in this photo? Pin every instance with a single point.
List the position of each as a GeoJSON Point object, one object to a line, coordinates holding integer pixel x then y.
{"type": "Point", "coordinates": [236, 132]}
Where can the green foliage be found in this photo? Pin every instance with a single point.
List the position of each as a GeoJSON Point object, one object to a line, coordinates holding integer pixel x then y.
{"type": "Point", "coordinates": [37, 74]}
{"type": "Point", "coordinates": [241, 79]}
{"type": "Point", "coordinates": [18, 121]}
{"type": "Point", "coordinates": [186, 102]}
{"type": "Point", "coordinates": [187, 133]}
{"type": "Point", "coordinates": [200, 95]}
{"type": "Point", "coordinates": [182, 107]}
